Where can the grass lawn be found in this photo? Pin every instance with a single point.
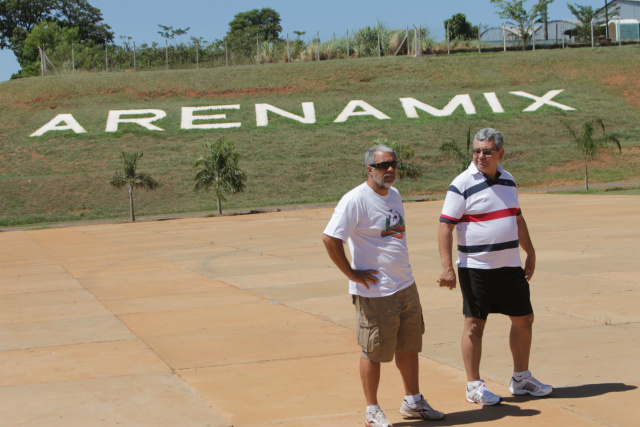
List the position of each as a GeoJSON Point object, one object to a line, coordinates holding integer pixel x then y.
{"type": "Point", "coordinates": [64, 176]}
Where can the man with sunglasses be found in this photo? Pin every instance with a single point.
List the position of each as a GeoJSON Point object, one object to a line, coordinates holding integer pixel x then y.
{"type": "Point", "coordinates": [482, 205]}
{"type": "Point", "coordinates": [370, 218]}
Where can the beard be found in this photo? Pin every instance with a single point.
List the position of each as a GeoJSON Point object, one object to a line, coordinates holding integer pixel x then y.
{"type": "Point", "coordinates": [382, 183]}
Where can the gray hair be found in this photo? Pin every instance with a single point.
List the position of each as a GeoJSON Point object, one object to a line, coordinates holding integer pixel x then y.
{"type": "Point", "coordinates": [489, 134]}
{"type": "Point", "coordinates": [370, 156]}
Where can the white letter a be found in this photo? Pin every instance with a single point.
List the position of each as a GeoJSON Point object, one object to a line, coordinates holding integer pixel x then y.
{"type": "Point", "coordinates": [70, 124]}
{"type": "Point", "coordinates": [367, 110]}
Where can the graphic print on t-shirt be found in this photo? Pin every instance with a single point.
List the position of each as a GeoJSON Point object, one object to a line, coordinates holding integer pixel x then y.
{"type": "Point", "coordinates": [395, 225]}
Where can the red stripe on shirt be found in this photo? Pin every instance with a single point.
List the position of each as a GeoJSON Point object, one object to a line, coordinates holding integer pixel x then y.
{"type": "Point", "coordinates": [450, 219]}
{"type": "Point", "coordinates": [504, 213]}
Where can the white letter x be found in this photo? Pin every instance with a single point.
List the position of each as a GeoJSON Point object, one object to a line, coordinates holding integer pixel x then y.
{"type": "Point", "coordinates": [546, 99]}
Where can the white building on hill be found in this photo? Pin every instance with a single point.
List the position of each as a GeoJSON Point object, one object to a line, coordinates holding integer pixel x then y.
{"type": "Point", "coordinates": [626, 24]}
{"type": "Point", "coordinates": [555, 31]}
{"type": "Point", "coordinates": [629, 9]}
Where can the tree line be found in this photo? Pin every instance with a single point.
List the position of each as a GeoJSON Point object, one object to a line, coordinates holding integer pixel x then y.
{"type": "Point", "coordinates": [71, 34]}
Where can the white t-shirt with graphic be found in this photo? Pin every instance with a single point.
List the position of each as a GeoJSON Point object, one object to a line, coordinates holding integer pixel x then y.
{"type": "Point", "coordinates": [374, 228]}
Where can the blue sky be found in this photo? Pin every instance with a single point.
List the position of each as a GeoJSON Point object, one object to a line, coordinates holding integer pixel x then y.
{"type": "Point", "coordinates": [210, 18]}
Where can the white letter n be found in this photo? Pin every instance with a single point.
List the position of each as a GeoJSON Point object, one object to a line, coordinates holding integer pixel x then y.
{"type": "Point", "coordinates": [262, 117]}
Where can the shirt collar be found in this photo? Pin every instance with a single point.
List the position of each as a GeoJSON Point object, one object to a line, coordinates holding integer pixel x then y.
{"type": "Point", "coordinates": [474, 170]}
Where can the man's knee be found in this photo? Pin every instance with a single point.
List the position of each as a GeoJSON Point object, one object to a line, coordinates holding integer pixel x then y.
{"type": "Point", "coordinates": [522, 321]}
{"type": "Point", "coordinates": [474, 328]}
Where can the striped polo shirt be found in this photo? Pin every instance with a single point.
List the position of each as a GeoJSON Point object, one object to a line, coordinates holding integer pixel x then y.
{"type": "Point", "coordinates": [484, 212]}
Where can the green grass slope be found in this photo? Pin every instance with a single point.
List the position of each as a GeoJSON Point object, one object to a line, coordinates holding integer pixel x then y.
{"type": "Point", "coordinates": [64, 176]}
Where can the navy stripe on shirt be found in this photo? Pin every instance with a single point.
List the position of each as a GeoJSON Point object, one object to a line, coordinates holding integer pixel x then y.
{"type": "Point", "coordinates": [454, 189]}
{"type": "Point", "coordinates": [481, 186]}
{"type": "Point", "coordinates": [492, 247]}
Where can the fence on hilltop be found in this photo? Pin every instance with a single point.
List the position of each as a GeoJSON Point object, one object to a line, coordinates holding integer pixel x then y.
{"type": "Point", "coordinates": [367, 42]}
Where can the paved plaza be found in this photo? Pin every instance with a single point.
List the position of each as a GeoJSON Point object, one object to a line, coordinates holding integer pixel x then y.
{"type": "Point", "coordinates": [244, 321]}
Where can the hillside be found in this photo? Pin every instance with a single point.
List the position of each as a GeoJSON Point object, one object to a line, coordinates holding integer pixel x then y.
{"type": "Point", "coordinates": [63, 175]}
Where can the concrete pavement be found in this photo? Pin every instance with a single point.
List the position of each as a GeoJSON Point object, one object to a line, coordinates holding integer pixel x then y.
{"type": "Point", "coordinates": [244, 321]}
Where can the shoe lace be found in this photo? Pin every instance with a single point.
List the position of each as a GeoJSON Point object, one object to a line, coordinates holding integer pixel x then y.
{"type": "Point", "coordinates": [483, 391]}
{"type": "Point", "coordinates": [422, 405]}
{"type": "Point", "coordinates": [378, 415]}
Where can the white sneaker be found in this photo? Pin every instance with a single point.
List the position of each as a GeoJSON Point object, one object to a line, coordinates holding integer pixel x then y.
{"type": "Point", "coordinates": [420, 410]}
{"type": "Point", "coordinates": [529, 385]}
{"type": "Point", "coordinates": [482, 395]}
{"type": "Point", "coordinates": [376, 418]}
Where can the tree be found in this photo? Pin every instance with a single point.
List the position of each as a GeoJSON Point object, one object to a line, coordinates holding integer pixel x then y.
{"type": "Point", "coordinates": [246, 26]}
{"type": "Point", "coordinates": [544, 18]}
{"type": "Point", "coordinates": [404, 155]}
{"type": "Point", "coordinates": [523, 20]}
{"type": "Point", "coordinates": [589, 145]}
{"type": "Point", "coordinates": [454, 151]}
{"type": "Point", "coordinates": [586, 14]}
{"type": "Point", "coordinates": [460, 28]}
{"type": "Point", "coordinates": [132, 178]}
{"type": "Point", "coordinates": [169, 33]}
{"type": "Point", "coordinates": [19, 17]}
{"type": "Point", "coordinates": [42, 42]}
{"type": "Point", "coordinates": [219, 171]}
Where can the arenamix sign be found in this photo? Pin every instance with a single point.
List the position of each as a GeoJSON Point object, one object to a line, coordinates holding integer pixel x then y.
{"type": "Point", "coordinates": [222, 116]}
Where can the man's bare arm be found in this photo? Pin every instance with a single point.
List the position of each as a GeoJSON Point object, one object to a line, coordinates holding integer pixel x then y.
{"type": "Point", "coordinates": [445, 246]}
{"type": "Point", "coordinates": [525, 242]}
{"type": "Point", "coordinates": [335, 249]}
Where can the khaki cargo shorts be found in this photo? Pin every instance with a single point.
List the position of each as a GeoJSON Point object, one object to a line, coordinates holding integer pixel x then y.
{"type": "Point", "coordinates": [389, 324]}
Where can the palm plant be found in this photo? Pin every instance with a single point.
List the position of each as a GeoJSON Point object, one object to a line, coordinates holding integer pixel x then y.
{"type": "Point", "coordinates": [219, 171]}
{"type": "Point", "coordinates": [404, 155]}
{"type": "Point", "coordinates": [589, 145]}
{"type": "Point", "coordinates": [454, 151]}
{"type": "Point", "coordinates": [131, 177]}
{"type": "Point", "coordinates": [406, 168]}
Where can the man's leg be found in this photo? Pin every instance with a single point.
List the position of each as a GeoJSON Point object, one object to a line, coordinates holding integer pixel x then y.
{"type": "Point", "coordinates": [370, 377]}
{"type": "Point", "coordinates": [414, 406]}
{"type": "Point", "coordinates": [520, 341]}
{"type": "Point", "coordinates": [409, 368]}
{"type": "Point", "coordinates": [477, 392]}
{"type": "Point", "coordinates": [472, 346]}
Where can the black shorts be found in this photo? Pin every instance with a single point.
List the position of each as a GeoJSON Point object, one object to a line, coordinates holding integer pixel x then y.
{"type": "Point", "coordinates": [502, 290]}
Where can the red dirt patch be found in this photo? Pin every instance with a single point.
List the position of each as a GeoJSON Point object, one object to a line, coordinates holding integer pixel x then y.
{"type": "Point", "coordinates": [107, 91]}
{"type": "Point", "coordinates": [606, 157]}
{"type": "Point", "coordinates": [627, 85]}
{"type": "Point", "coordinates": [48, 98]}
{"type": "Point", "coordinates": [230, 93]}
{"type": "Point", "coordinates": [570, 166]}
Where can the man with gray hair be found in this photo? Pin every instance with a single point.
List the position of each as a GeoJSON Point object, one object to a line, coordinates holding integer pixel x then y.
{"type": "Point", "coordinates": [482, 205]}
{"type": "Point", "coordinates": [370, 218]}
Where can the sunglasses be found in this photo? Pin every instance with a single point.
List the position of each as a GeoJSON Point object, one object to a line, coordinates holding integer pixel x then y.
{"type": "Point", "coordinates": [487, 151]}
{"type": "Point", "coordinates": [385, 165]}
